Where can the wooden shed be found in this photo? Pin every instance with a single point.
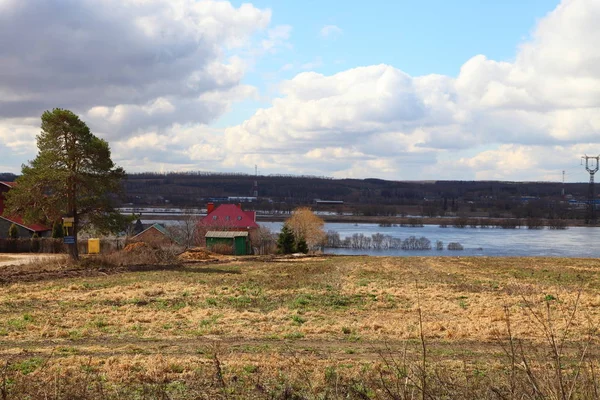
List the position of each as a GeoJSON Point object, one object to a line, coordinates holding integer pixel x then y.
{"type": "Point", "coordinates": [237, 240]}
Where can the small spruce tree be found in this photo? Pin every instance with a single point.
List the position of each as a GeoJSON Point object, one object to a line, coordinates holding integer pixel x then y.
{"type": "Point", "coordinates": [286, 240]}
{"type": "Point", "coordinates": [13, 232]}
{"type": "Point", "coordinates": [301, 246]}
{"type": "Point", "coordinates": [57, 230]}
{"type": "Point", "coordinates": [138, 227]}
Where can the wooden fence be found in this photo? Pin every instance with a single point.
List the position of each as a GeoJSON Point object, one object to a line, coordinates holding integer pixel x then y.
{"type": "Point", "coordinates": [49, 245]}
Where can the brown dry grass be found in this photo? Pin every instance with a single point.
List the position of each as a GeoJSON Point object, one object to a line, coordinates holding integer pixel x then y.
{"type": "Point", "coordinates": [319, 312]}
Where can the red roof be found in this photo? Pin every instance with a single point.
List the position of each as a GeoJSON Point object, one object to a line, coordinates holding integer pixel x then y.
{"type": "Point", "coordinates": [230, 216]}
{"type": "Point", "coordinates": [31, 227]}
{"type": "Point", "coordinates": [19, 220]}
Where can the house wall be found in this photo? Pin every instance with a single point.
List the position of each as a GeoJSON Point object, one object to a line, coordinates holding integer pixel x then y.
{"type": "Point", "coordinates": [5, 226]}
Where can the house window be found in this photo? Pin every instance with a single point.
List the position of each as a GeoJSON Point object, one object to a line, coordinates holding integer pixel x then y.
{"type": "Point", "coordinates": [239, 218]}
{"type": "Point", "coordinates": [227, 217]}
{"type": "Point", "coordinates": [215, 217]}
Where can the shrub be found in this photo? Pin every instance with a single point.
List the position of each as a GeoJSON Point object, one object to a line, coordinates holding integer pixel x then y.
{"type": "Point", "coordinates": [301, 246]}
{"type": "Point", "coordinates": [13, 232]}
{"type": "Point", "coordinates": [57, 230]}
{"type": "Point", "coordinates": [534, 223]}
{"type": "Point", "coordinates": [455, 246]}
{"type": "Point", "coordinates": [460, 222]}
{"type": "Point", "coordinates": [557, 224]}
{"type": "Point", "coordinates": [412, 243]}
{"type": "Point", "coordinates": [286, 241]}
{"type": "Point", "coordinates": [222, 248]}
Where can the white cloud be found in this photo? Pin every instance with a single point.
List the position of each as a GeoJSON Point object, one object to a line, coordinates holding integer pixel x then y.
{"type": "Point", "coordinates": [548, 98]}
{"type": "Point", "coordinates": [152, 75]}
{"type": "Point", "coordinates": [126, 66]}
{"type": "Point", "coordinates": [330, 31]}
{"type": "Point", "coordinates": [277, 37]}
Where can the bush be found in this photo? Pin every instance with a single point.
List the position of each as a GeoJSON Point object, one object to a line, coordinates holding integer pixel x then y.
{"type": "Point", "coordinates": [13, 232]}
{"type": "Point", "coordinates": [557, 224]}
{"type": "Point", "coordinates": [460, 222]}
{"type": "Point", "coordinates": [140, 254]}
{"type": "Point", "coordinates": [301, 246]}
{"type": "Point", "coordinates": [455, 246]}
{"type": "Point", "coordinates": [57, 230]}
{"type": "Point", "coordinates": [412, 243]}
{"type": "Point", "coordinates": [534, 223]}
{"type": "Point", "coordinates": [222, 248]}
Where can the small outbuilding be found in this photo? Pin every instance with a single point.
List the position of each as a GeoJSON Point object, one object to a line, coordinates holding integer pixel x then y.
{"type": "Point", "coordinates": [236, 240]}
{"type": "Point", "coordinates": [155, 235]}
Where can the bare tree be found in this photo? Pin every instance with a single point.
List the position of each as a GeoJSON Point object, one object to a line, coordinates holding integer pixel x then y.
{"type": "Point", "coordinates": [305, 224]}
{"type": "Point", "coordinates": [186, 230]}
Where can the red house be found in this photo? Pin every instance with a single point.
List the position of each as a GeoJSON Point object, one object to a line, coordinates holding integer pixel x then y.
{"type": "Point", "coordinates": [25, 230]}
{"type": "Point", "coordinates": [229, 217]}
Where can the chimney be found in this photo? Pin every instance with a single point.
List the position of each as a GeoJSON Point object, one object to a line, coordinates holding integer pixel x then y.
{"type": "Point", "coordinates": [210, 208]}
{"type": "Point", "coordinates": [240, 205]}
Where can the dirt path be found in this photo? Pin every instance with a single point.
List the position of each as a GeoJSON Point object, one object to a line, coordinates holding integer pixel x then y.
{"type": "Point", "coordinates": [465, 350]}
{"type": "Point", "coordinates": [25, 258]}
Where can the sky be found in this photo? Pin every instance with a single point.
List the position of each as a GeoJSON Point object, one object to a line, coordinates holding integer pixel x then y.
{"type": "Point", "coordinates": [403, 90]}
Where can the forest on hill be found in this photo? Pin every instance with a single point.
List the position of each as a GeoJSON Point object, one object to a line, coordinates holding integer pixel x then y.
{"type": "Point", "coordinates": [359, 196]}
{"type": "Point", "coordinates": [367, 197]}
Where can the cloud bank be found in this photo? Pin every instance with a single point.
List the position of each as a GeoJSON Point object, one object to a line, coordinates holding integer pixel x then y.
{"type": "Point", "coordinates": [152, 76]}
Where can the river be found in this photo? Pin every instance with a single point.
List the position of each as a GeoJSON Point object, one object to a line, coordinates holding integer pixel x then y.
{"type": "Point", "coordinates": [492, 242]}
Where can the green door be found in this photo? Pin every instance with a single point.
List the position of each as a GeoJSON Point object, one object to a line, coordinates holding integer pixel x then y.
{"type": "Point", "coordinates": [240, 246]}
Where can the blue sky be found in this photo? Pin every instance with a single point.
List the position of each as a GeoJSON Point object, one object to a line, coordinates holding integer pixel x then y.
{"type": "Point", "coordinates": [417, 37]}
{"type": "Point", "coordinates": [402, 90]}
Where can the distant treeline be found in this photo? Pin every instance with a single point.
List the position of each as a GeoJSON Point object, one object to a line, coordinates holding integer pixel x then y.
{"type": "Point", "coordinates": [505, 223]}
{"type": "Point", "coordinates": [360, 197]}
{"type": "Point", "coordinates": [379, 241]}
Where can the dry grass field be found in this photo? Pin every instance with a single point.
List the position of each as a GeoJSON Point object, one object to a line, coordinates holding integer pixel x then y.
{"type": "Point", "coordinates": [315, 327]}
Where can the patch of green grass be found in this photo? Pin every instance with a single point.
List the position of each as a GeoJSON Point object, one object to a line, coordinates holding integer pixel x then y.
{"type": "Point", "coordinates": [207, 323]}
{"type": "Point", "coordinates": [211, 301]}
{"type": "Point", "coordinates": [99, 323]}
{"type": "Point", "coordinates": [327, 300]}
{"type": "Point", "coordinates": [18, 324]}
{"type": "Point", "coordinates": [28, 366]}
{"type": "Point", "coordinates": [549, 297]}
{"type": "Point", "coordinates": [75, 334]}
{"type": "Point", "coordinates": [250, 369]}
{"type": "Point", "coordinates": [293, 335]}
{"type": "Point", "coordinates": [302, 300]}
{"type": "Point", "coordinates": [67, 350]}
{"type": "Point", "coordinates": [298, 320]}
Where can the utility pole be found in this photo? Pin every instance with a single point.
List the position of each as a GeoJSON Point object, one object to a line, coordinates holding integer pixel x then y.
{"type": "Point", "coordinates": [563, 185]}
{"type": "Point", "coordinates": [591, 166]}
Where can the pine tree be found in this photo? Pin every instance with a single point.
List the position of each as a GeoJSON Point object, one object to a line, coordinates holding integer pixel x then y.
{"type": "Point", "coordinates": [72, 175]}
{"type": "Point", "coordinates": [286, 240]}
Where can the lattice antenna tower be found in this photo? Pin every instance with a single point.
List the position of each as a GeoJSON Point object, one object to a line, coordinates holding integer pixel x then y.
{"type": "Point", "coordinates": [255, 188]}
{"type": "Point", "coordinates": [592, 163]}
